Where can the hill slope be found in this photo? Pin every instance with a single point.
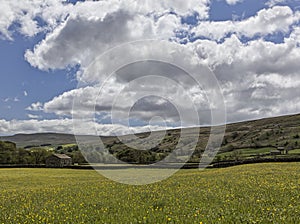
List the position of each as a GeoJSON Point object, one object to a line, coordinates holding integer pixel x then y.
{"type": "Point", "coordinates": [23, 140]}
{"type": "Point", "coordinates": [242, 140]}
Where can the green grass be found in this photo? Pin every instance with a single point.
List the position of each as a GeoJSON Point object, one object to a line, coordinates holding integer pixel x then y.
{"type": "Point", "coordinates": [249, 152]}
{"type": "Point", "coordinates": [295, 151]}
{"type": "Point", "coordinates": [257, 193]}
{"type": "Point", "coordinates": [68, 145]}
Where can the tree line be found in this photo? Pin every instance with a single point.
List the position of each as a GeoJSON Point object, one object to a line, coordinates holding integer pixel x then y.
{"type": "Point", "coordinates": [10, 154]}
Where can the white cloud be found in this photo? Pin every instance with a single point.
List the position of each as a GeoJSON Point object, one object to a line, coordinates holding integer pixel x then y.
{"type": "Point", "coordinates": [72, 40]}
{"type": "Point", "coordinates": [269, 21]}
{"type": "Point", "coordinates": [265, 22]}
{"type": "Point", "coordinates": [233, 2]}
{"type": "Point", "coordinates": [63, 104]}
{"type": "Point", "coordinates": [32, 116]}
{"type": "Point", "coordinates": [8, 99]}
{"type": "Point", "coordinates": [136, 99]}
{"type": "Point", "coordinates": [38, 106]}
{"type": "Point", "coordinates": [66, 126]}
{"type": "Point", "coordinates": [25, 13]}
{"type": "Point", "coordinates": [242, 68]}
{"type": "Point", "coordinates": [259, 78]}
{"type": "Point", "coordinates": [279, 81]}
{"type": "Point", "coordinates": [178, 6]}
{"type": "Point", "coordinates": [271, 3]}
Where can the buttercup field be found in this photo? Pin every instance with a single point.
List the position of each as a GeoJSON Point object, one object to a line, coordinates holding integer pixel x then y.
{"type": "Point", "coordinates": [256, 193]}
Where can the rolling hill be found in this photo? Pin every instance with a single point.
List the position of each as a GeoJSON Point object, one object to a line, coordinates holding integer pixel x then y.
{"type": "Point", "coordinates": [37, 139]}
{"type": "Point", "coordinates": [248, 139]}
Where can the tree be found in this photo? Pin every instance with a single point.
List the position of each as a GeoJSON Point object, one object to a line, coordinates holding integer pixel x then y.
{"type": "Point", "coordinates": [229, 148]}
{"type": "Point", "coordinates": [8, 152]}
{"type": "Point", "coordinates": [39, 155]}
{"type": "Point", "coordinates": [234, 135]}
{"type": "Point", "coordinates": [7, 146]}
{"type": "Point", "coordinates": [59, 147]}
{"type": "Point", "coordinates": [225, 142]}
{"type": "Point", "coordinates": [24, 157]}
{"type": "Point", "coordinates": [236, 155]}
{"type": "Point", "coordinates": [78, 157]}
{"type": "Point", "coordinates": [218, 159]}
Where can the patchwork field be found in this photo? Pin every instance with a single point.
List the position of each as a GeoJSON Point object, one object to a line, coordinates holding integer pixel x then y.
{"type": "Point", "coordinates": [257, 193]}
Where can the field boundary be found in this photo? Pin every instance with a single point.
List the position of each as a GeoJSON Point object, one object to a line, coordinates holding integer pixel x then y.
{"type": "Point", "coordinates": [222, 164]}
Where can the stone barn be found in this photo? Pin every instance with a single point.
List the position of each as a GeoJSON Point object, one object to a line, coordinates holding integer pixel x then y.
{"type": "Point", "coordinates": [58, 160]}
{"type": "Point", "coordinates": [275, 152]}
{"type": "Point", "coordinates": [282, 150]}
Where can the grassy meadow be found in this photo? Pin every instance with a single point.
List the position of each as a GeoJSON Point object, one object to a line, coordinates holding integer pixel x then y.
{"type": "Point", "coordinates": [256, 193]}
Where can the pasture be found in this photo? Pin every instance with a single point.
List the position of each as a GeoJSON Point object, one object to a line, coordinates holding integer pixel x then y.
{"type": "Point", "coordinates": [256, 193]}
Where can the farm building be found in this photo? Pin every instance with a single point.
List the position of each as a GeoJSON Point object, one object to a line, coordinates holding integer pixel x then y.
{"type": "Point", "coordinates": [285, 150]}
{"type": "Point", "coordinates": [58, 160]}
{"type": "Point", "coordinates": [275, 152]}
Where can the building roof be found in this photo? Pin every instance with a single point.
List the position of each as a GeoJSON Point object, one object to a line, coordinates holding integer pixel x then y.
{"type": "Point", "coordinates": [273, 151]}
{"type": "Point", "coordinates": [62, 156]}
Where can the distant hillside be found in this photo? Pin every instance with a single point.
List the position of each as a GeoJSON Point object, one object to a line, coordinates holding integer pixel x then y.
{"type": "Point", "coordinates": [23, 140]}
{"type": "Point", "coordinates": [243, 140]}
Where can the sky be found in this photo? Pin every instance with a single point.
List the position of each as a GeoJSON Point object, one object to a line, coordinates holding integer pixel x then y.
{"type": "Point", "coordinates": [48, 47]}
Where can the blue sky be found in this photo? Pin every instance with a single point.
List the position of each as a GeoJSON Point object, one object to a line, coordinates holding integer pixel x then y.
{"type": "Point", "coordinates": [23, 84]}
{"type": "Point", "coordinates": [41, 77]}
{"type": "Point", "coordinates": [220, 10]}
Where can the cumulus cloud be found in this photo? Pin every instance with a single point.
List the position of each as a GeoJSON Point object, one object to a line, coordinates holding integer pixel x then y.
{"type": "Point", "coordinates": [265, 22]}
{"type": "Point", "coordinates": [138, 94]}
{"type": "Point", "coordinates": [26, 14]}
{"type": "Point", "coordinates": [271, 3]}
{"type": "Point", "coordinates": [264, 73]}
{"type": "Point", "coordinates": [80, 38]}
{"type": "Point", "coordinates": [66, 126]}
{"type": "Point", "coordinates": [33, 116]}
{"type": "Point", "coordinates": [32, 126]}
{"type": "Point", "coordinates": [38, 106]}
{"type": "Point", "coordinates": [258, 56]}
{"type": "Point", "coordinates": [233, 2]}
{"type": "Point", "coordinates": [107, 24]}
{"type": "Point", "coordinates": [243, 69]}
